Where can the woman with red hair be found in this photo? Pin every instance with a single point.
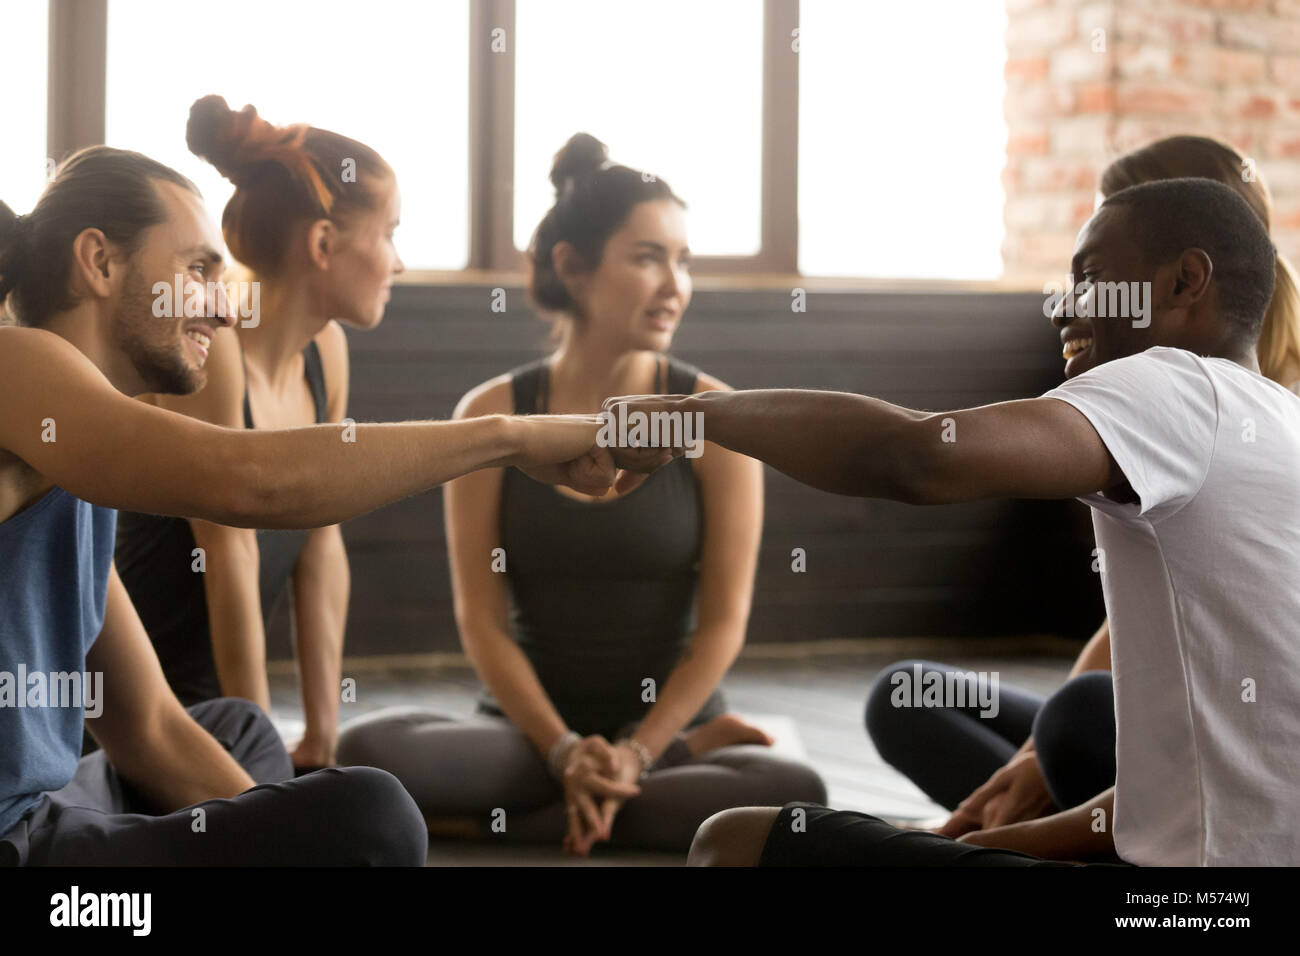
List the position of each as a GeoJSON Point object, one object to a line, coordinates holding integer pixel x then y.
{"type": "Point", "coordinates": [312, 220]}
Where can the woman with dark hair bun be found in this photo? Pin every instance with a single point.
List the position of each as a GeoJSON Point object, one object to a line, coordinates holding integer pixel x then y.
{"type": "Point", "coordinates": [600, 627]}
{"type": "Point", "coordinates": [312, 220]}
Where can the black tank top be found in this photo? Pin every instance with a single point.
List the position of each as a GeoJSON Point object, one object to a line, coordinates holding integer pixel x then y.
{"type": "Point", "coordinates": [154, 556]}
{"type": "Point", "coordinates": [602, 596]}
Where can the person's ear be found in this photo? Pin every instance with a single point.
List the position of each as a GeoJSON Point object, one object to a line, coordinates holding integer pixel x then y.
{"type": "Point", "coordinates": [571, 266]}
{"type": "Point", "coordinates": [1192, 273]}
{"type": "Point", "coordinates": [95, 263]}
{"type": "Point", "coordinates": [322, 243]}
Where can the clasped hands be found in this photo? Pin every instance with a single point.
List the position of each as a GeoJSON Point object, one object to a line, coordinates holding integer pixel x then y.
{"type": "Point", "coordinates": [599, 777]}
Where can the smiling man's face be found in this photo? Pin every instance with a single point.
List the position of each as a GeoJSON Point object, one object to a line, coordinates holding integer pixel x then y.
{"type": "Point", "coordinates": [169, 351]}
{"type": "Point", "coordinates": [1105, 252]}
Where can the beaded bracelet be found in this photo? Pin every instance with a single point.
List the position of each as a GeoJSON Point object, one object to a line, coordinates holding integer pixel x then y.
{"type": "Point", "coordinates": [638, 748]}
{"type": "Point", "coordinates": [559, 751]}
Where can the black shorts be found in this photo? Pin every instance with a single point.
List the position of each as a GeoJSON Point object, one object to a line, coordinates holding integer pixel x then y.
{"type": "Point", "coordinates": [805, 834]}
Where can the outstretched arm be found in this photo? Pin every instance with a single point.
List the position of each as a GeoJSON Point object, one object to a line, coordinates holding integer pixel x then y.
{"type": "Point", "coordinates": [116, 452]}
{"type": "Point", "coordinates": [855, 445]}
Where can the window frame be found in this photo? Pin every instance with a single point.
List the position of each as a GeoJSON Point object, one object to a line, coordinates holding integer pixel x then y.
{"type": "Point", "coordinates": [76, 107]}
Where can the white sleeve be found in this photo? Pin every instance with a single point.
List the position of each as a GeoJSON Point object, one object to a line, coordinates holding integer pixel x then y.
{"type": "Point", "coordinates": [1157, 414]}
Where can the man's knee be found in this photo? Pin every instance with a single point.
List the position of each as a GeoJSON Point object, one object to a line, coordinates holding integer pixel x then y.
{"type": "Point", "coordinates": [733, 837]}
{"type": "Point", "coordinates": [377, 822]}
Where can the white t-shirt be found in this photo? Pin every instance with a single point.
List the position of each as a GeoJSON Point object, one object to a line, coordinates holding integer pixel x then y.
{"type": "Point", "coordinates": [1202, 584]}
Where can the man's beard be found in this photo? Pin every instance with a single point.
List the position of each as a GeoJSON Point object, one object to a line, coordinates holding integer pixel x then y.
{"type": "Point", "coordinates": [151, 344]}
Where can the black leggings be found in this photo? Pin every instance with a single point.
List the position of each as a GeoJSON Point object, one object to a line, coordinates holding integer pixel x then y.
{"type": "Point", "coordinates": [950, 751]}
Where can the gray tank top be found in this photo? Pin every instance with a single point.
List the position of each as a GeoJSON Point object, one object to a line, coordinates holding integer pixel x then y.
{"type": "Point", "coordinates": [154, 556]}
{"type": "Point", "coordinates": [602, 596]}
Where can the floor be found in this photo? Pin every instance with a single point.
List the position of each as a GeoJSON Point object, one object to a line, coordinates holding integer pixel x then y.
{"type": "Point", "coordinates": [808, 696]}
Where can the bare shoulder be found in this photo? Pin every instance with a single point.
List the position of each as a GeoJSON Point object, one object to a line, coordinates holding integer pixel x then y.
{"type": "Point", "coordinates": [30, 359]}
{"type": "Point", "coordinates": [493, 397]}
{"type": "Point", "coordinates": [22, 341]}
{"type": "Point", "coordinates": [332, 343]}
{"type": "Point", "coordinates": [29, 356]}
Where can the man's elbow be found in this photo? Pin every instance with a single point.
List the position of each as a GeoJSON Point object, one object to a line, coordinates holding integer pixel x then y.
{"type": "Point", "coordinates": [914, 468]}
{"type": "Point", "coordinates": [133, 734]}
{"type": "Point", "coordinates": [251, 493]}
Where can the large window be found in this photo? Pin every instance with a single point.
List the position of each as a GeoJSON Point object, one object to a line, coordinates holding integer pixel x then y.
{"type": "Point", "coordinates": [901, 138]}
{"type": "Point", "coordinates": [24, 168]}
{"type": "Point", "coordinates": [850, 138]}
{"type": "Point", "coordinates": [391, 74]}
{"type": "Point", "coordinates": [673, 88]}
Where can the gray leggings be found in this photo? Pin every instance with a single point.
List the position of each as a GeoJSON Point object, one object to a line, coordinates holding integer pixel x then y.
{"type": "Point", "coordinates": [467, 769]}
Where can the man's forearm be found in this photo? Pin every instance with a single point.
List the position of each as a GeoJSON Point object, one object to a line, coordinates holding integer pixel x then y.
{"type": "Point", "coordinates": [181, 765]}
{"type": "Point", "coordinates": [323, 474]}
{"type": "Point", "coordinates": [1079, 834]}
{"type": "Point", "coordinates": [834, 441]}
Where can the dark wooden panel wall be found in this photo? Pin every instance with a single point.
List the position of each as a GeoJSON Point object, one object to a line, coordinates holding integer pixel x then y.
{"type": "Point", "coordinates": [875, 568]}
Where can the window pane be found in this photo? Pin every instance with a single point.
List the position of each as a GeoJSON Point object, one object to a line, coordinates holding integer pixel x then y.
{"type": "Point", "coordinates": [392, 74]}
{"type": "Point", "coordinates": [674, 88]}
{"type": "Point", "coordinates": [901, 138]}
{"type": "Point", "coordinates": [23, 164]}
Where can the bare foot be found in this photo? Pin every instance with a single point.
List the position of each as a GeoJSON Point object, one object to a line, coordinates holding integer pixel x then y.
{"type": "Point", "coordinates": [723, 731]}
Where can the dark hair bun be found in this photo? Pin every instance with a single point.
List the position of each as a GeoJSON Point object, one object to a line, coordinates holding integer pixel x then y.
{"type": "Point", "coordinates": [579, 158]}
{"type": "Point", "coordinates": [217, 133]}
{"type": "Point", "coordinates": [8, 225]}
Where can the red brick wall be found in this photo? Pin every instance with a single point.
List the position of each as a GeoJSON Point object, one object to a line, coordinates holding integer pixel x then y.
{"type": "Point", "coordinates": [1077, 97]}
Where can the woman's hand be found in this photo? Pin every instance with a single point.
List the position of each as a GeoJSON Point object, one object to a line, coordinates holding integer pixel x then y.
{"type": "Point", "coordinates": [626, 771]}
{"type": "Point", "coordinates": [592, 775]}
{"type": "Point", "coordinates": [1014, 794]}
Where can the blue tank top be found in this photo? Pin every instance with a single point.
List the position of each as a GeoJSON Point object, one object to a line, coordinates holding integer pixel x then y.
{"type": "Point", "coordinates": [54, 562]}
